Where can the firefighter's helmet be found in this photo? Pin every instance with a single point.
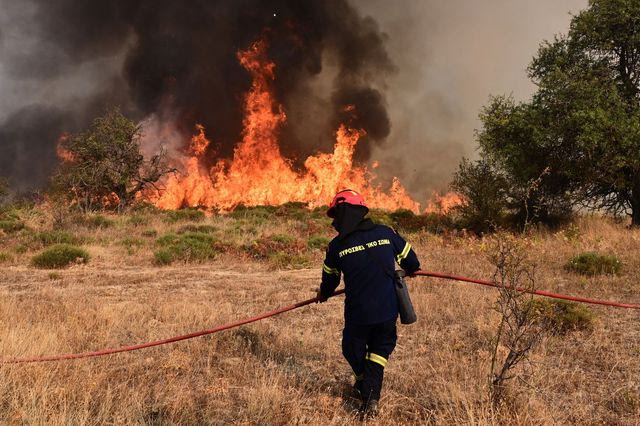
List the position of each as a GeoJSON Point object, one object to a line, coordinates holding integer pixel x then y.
{"type": "Point", "coordinates": [345, 196]}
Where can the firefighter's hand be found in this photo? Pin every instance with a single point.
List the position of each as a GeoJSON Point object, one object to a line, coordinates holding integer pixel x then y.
{"type": "Point", "coordinates": [321, 298]}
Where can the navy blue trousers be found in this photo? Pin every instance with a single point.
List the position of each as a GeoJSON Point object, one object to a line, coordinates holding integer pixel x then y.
{"type": "Point", "coordinates": [367, 349]}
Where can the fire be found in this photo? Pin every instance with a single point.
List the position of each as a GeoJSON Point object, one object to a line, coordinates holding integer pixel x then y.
{"type": "Point", "coordinates": [442, 204]}
{"type": "Point", "coordinates": [63, 154]}
{"type": "Point", "coordinates": [258, 174]}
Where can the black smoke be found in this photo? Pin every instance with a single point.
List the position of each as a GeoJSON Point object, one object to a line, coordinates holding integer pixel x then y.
{"type": "Point", "coordinates": [179, 59]}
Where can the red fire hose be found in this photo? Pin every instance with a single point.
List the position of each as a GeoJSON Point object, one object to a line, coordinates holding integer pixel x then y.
{"type": "Point", "coordinates": [291, 308]}
{"type": "Point", "coordinates": [522, 290]}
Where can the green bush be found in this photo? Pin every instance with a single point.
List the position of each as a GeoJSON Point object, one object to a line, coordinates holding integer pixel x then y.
{"type": "Point", "coordinates": [280, 250]}
{"type": "Point", "coordinates": [594, 264]}
{"type": "Point", "coordinates": [381, 217]}
{"type": "Point", "coordinates": [184, 215]}
{"type": "Point", "coordinates": [293, 210]}
{"type": "Point", "coordinates": [288, 260]}
{"type": "Point", "coordinates": [5, 257]}
{"type": "Point", "coordinates": [10, 226]}
{"type": "Point", "coordinates": [407, 221]}
{"type": "Point", "coordinates": [563, 316]}
{"type": "Point", "coordinates": [189, 247]}
{"type": "Point", "coordinates": [137, 220]}
{"type": "Point", "coordinates": [151, 233]}
{"type": "Point", "coordinates": [94, 221]}
{"type": "Point", "coordinates": [60, 256]}
{"type": "Point", "coordinates": [132, 245]}
{"type": "Point", "coordinates": [256, 212]}
{"type": "Point", "coordinates": [47, 238]}
{"type": "Point", "coordinates": [202, 229]}
{"type": "Point", "coordinates": [318, 242]}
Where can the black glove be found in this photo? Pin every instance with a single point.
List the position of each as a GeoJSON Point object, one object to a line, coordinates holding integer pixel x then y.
{"type": "Point", "coordinates": [321, 298]}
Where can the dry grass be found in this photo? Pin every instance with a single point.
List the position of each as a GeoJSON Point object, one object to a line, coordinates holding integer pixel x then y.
{"type": "Point", "coordinates": [289, 370]}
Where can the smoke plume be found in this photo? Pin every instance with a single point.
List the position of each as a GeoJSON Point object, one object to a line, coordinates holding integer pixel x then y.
{"type": "Point", "coordinates": [64, 62]}
{"type": "Point", "coordinates": [417, 71]}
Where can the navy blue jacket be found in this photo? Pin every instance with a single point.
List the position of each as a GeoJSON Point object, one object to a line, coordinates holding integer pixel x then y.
{"type": "Point", "coordinates": [367, 258]}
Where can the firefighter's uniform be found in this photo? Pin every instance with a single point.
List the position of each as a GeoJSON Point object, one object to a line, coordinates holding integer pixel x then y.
{"type": "Point", "coordinates": [367, 258]}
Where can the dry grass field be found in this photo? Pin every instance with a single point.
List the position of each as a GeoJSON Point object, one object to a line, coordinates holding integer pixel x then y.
{"type": "Point", "coordinates": [289, 369]}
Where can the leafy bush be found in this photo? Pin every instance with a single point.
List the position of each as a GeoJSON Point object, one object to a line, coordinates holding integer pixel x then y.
{"type": "Point", "coordinates": [381, 217]}
{"type": "Point", "coordinates": [105, 161]}
{"type": "Point", "coordinates": [132, 245]}
{"type": "Point", "coordinates": [10, 226]}
{"type": "Point", "coordinates": [317, 242]}
{"type": "Point", "coordinates": [293, 210]}
{"type": "Point", "coordinates": [184, 215]}
{"type": "Point", "coordinates": [60, 256]}
{"type": "Point", "coordinates": [280, 250]}
{"type": "Point", "coordinates": [407, 221]}
{"type": "Point", "coordinates": [485, 191]}
{"type": "Point", "coordinates": [5, 257]}
{"type": "Point", "coordinates": [259, 212]}
{"type": "Point", "coordinates": [137, 220]}
{"type": "Point", "coordinates": [189, 247]}
{"type": "Point", "coordinates": [47, 238]}
{"type": "Point", "coordinates": [152, 233]}
{"type": "Point", "coordinates": [563, 316]}
{"type": "Point", "coordinates": [203, 229]}
{"type": "Point", "coordinates": [594, 264]}
{"type": "Point", "coordinates": [94, 221]}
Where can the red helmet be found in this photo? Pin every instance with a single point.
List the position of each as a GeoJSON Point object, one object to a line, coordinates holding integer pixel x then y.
{"type": "Point", "coordinates": [345, 196]}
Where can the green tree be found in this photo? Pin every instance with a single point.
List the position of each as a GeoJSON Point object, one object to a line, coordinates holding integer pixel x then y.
{"type": "Point", "coordinates": [485, 193]}
{"type": "Point", "coordinates": [583, 122]}
{"type": "Point", "coordinates": [105, 161]}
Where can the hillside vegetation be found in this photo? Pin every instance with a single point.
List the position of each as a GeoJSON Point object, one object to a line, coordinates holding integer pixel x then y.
{"type": "Point", "coordinates": [150, 274]}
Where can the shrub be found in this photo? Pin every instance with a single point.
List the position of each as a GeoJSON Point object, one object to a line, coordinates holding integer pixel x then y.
{"type": "Point", "coordinates": [594, 264]}
{"type": "Point", "coordinates": [280, 250]}
{"type": "Point", "coordinates": [203, 229]}
{"type": "Point", "coordinates": [563, 316]}
{"type": "Point", "coordinates": [293, 210]}
{"type": "Point", "coordinates": [10, 226]}
{"type": "Point", "coordinates": [5, 257]}
{"type": "Point", "coordinates": [60, 256]}
{"type": "Point", "coordinates": [137, 220]}
{"type": "Point", "coordinates": [381, 216]}
{"type": "Point", "coordinates": [485, 191]}
{"type": "Point", "coordinates": [317, 242]}
{"type": "Point", "coordinates": [152, 233]}
{"type": "Point", "coordinates": [256, 212]}
{"type": "Point", "coordinates": [407, 221]}
{"type": "Point", "coordinates": [94, 221]}
{"type": "Point", "coordinates": [189, 247]}
{"type": "Point", "coordinates": [105, 168]}
{"type": "Point", "coordinates": [184, 215]}
{"type": "Point", "coordinates": [47, 238]}
{"type": "Point", "coordinates": [132, 245]}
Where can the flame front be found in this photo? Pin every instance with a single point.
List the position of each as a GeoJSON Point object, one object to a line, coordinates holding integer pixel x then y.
{"type": "Point", "coordinates": [258, 174]}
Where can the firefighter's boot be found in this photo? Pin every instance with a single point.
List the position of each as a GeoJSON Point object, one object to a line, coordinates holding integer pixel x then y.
{"type": "Point", "coordinates": [369, 409]}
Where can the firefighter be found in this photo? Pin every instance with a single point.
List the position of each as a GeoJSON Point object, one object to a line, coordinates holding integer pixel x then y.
{"type": "Point", "coordinates": [366, 253]}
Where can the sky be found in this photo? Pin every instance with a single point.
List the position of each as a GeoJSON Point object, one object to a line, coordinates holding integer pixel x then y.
{"type": "Point", "coordinates": [450, 57]}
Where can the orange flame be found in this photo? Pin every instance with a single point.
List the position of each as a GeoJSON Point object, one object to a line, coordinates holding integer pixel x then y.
{"type": "Point", "coordinates": [63, 154]}
{"type": "Point", "coordinates": [258, 174]}
{"type": "Point", "coordinates": [442, 204]}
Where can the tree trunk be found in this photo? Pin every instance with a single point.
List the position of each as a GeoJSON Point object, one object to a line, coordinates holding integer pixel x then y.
{"type": "Point", "coordinates": [635, 213]}
{"type": "Point", "coordinates": [635, 207]}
